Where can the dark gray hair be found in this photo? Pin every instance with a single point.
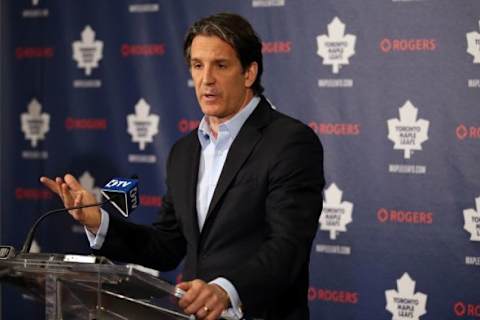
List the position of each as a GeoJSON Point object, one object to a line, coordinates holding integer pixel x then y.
{"type": "Point", "coordinates": [236, 31]}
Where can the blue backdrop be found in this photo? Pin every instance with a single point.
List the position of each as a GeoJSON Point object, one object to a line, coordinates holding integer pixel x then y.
{"type": "Point", "coordinates": [392, 88]}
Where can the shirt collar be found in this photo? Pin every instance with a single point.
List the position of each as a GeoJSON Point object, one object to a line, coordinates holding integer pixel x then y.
{"type": "Point", "coordinates": [232, 126]}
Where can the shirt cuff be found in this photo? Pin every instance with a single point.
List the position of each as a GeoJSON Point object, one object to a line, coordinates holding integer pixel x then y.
{"type": "Point", "coordinates": [97, 240]}
{"type": "Point", "coordinates": [235, 311]}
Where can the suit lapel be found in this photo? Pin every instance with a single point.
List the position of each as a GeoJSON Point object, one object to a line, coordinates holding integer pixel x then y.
{"type": "Point", "coordinates": [191, 187]}
{"type": "Point", "coordinates": [241, 148]}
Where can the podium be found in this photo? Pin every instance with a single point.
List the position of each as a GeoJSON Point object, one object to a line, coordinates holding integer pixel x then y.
{"type": "Point", "coordinates": [91, 288]}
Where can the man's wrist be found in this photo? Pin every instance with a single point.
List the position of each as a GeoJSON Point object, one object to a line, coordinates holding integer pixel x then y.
{"type": "Point", "coordinates": [234, 309]}
{"type": "Point", "coordinates": [223, 295]}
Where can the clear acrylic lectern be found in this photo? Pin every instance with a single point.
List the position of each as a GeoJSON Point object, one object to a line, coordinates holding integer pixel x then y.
{"type": "Point", "coordinates": [93, 289]}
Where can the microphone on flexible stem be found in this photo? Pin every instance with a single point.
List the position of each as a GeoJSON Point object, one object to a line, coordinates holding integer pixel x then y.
{"type": "Point", "coordinates": [120, 192]}
{"type": "Point", "coordinates": [29, 239]}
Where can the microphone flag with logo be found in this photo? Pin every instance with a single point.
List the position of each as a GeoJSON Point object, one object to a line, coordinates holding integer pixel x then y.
{"type": "Point", "coordinates": [123, 194]}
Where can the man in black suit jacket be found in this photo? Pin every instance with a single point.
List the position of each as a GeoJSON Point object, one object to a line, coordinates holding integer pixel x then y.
{"type": "Point", "coordinates": [244, 222]}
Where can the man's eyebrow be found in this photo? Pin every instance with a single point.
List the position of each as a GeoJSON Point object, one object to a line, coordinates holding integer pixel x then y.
{"type": "Point", "coordinates": [194, 59]}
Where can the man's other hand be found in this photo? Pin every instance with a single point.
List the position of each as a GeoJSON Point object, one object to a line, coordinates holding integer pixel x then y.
{"type": "Point", "coordinates": [205, 301]}
{"type": "Point", "coordinates": [74, 194]}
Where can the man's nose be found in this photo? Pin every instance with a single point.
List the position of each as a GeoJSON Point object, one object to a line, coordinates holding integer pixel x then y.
{"type": "Point", "coordinates": [208, 75]}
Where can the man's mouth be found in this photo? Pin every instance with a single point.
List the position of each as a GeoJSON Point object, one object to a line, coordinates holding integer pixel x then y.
{"type": "Point", "coordinates": [210, 96]}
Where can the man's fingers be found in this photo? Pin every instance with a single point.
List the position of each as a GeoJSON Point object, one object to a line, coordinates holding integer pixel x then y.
{"type": "Point", "coordinates": [191, 292]}
{"type": "Point", "coordinates": [200, 302]}
{"type": "Point", "coordinates": [78, 199]}
{"type": "Point", "coordinates": [66, 195]}
{"type": "Point", "coordinates": [204, 300]}
{"type": "Point", "coordinates": [214, 315]}
{"type": "Point", "coordinates": [72, 183]}
{"type": "Point", "coordinates": [50, 184]}
{"type": "Point", "coordinates": [59, 182]}
{"type": "Point", "coordinates": [184, 285]}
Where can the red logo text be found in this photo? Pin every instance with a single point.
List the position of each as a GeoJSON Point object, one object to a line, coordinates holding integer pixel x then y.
{"type": "Point", "coordinates": [336, 296]}
{"type": "Point", "coordinates": [462, 309]}
{"type": "Point", "coordinates": [404, 216]}
{"type": "Point", "coordinates": [157, 49]}
{"type": "Point", "coordinates": [85, 124]}
{"type": "Point", "coordinates": [407, 45]}
{"type": "Point", "coordinates": [150, 201]}
{"type": "Point", "coordinates": [185, 125]}
{"type": "Point", "coordinates": [464, 132]}
{"type": "Point", "coordinates": [32, 194]}
{"type": "Point", "coordinates": [34, 52]}
{"type": "Point", "coordinates": [276, 47]}
{"type": "Point", "coordinates": [336, 129]}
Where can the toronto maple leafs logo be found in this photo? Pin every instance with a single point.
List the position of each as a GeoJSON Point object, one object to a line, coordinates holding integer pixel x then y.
{"type": "Point", "coordinates": [473, 44]}
{"type": "Point", "coordinates": [88, 51]}
{"type": "Point", "coordinates": [408, 133]}
{"type": "Point", "coordinates": [35, 2]}
{"type": "Point", "coordinates": [405, 304]}
{"type": "Point", "coordinates": [336, 214]}
{"type": "Point", "coordinates": [34, 123]}
{"type": "Point", "coordinates": [142, 125]}
{"type": "Point", "coordinates": [88, 182]}
{"type": "Point", "coordinates": [337, 47]}
{"type": "Point", "coordinates": [472, 221]}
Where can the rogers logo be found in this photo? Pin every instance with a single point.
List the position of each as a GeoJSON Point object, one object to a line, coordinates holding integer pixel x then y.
{"type": "Point", "coordinates": [336, 296]}
{"type": "Point", "coordinates": [32, 194]}
{"type": "Point", "coordinates": [462, 309]}
{"type": "Point", "coordinates": [464, 132]}
{"type": "Point", "coordinates": [150, 201]}
{"type": "Point", "coordinates": [34, 52]}
{"type": "Point", "coordinates": [336, 129]}
{"type": "Point", "coordinates": [400, 216]}
{"type": "Point", "coordinates": [185, 125]}
{"type": "Point", "coordinates": [276, 47]}
{"type": "Point", "coordinates": [157, 49]}
{"type": "Point", "coordinates": [85, 124]}
{"type": "Point", "coordinates": [407, 45]}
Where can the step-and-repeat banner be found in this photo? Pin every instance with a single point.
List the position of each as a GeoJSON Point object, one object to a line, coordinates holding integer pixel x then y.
{"type": "Point", "coordinates": [391, 87]}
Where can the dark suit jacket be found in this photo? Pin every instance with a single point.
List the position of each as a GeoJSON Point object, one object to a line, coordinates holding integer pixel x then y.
{"type": "Point", "coordinates": [260, 224]}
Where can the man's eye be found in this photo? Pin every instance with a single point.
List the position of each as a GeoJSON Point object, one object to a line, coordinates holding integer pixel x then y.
{"type": "Point", "coordinates": [222, 65]}
{"type": "Point", "coordinates": [196, 66]}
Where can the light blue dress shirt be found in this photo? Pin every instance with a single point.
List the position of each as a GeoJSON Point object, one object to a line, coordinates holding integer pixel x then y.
{"type": "Point", "coordinates": [212, 158]}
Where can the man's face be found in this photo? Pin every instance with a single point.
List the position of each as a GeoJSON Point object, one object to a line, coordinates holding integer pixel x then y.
{"type": "Point", "coordinates": [221, 85]}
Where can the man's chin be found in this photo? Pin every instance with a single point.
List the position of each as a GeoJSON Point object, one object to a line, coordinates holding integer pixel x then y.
{"type": "Point", "coordinates": [210, 109]}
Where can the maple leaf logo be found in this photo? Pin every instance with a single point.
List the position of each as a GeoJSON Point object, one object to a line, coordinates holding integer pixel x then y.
{"type": "Point", "coordinates": [142, 125]}
{"type": "Point", "coordinates": [337, 47]}
{"type": "Point", "coordinates": [406, 304]}
{"type": "Point", "coordinates": [88, 51]}
{"type": "Point", "coordinates": [34, 123]}
{"type": "Point", "coordinates": [336, 214]}
{"type": "Point", "coordinates": [88, 182]}
{"type": "Point", "coordinates": [473, 44]}
{"type": "Point", "coordinates": [472, 221]}
{"type": "Point", "coordinates": [408, 133]}
{"type": "Point", "coordinates": [35, 2]}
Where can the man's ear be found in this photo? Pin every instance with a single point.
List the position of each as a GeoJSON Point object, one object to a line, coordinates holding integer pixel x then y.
{"type": "Point", "coordinates": [251, 74]}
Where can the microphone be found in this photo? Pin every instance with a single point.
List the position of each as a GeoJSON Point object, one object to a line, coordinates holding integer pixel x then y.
{"type": "Point", "coordinates": [29, 239]}
{"type": "Point", "coordinates": [122, 194]}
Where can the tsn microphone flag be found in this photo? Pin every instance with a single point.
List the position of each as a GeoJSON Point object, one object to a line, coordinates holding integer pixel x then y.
{"type": "Point", "coordinates": [123, 194]}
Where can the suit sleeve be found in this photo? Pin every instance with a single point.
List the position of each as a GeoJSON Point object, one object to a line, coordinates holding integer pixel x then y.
{"type": "Point", "coordinates": [161, 246]}
{"type": "Point", "coordinates": [293, 206]}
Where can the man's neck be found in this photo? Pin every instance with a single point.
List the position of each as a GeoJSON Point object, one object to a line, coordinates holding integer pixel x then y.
{"type": "Point", "coordinates": [215, 122]}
